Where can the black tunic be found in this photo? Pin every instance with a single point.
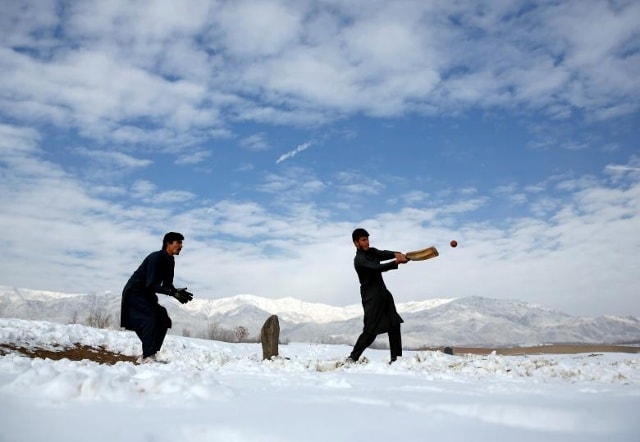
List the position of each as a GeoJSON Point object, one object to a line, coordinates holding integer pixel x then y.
{"type": "Point", "coordinates": [379, 308]}
{"type": "Point", "coordinates": [139, 299]}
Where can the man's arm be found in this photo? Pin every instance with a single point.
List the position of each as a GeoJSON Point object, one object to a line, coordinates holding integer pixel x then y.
{"type": "Point", "coordinates": [159, 275]}
{"type": "Point", "coordinates": [382, 255]}
{"type": "Point", "coordinates": [385, 255]}
{"type": "Point", "coordinates": [362, 262]}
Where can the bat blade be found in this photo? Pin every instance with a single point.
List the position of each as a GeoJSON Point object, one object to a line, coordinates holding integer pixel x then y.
{"type": "Point", "coordinates": [422, 254]}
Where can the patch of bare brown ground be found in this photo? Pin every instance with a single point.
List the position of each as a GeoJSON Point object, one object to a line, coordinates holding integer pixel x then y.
{"type": "Point", "coordinates": [75, 353]}
{"type": "Point", "coordinates": [104, 356]}
{"type": "Point", "coordinates": [543, 349]}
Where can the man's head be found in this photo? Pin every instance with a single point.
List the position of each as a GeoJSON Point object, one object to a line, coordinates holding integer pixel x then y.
{"type": "Point", "coordinates": [360, 239]}
{"type": "Point", "coordinates": [172, 243]}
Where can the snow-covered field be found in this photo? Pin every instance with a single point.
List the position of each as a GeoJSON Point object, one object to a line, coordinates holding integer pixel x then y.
{"type": "Point", "coordinates": [214, 391]}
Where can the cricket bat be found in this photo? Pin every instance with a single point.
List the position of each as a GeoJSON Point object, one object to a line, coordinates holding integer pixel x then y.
{"type": "Point", "coordinates": [422, 254]}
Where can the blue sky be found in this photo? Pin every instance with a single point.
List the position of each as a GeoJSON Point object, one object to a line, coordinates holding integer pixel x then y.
{"type": "Point", "coordinates": [266, 131]}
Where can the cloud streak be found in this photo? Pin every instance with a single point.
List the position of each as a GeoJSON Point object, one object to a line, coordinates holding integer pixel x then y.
{"type": "Point", "coordinates": [300, 148]}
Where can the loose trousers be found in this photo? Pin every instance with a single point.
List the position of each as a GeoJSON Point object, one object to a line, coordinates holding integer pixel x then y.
{"type": "Point", "coordinates": [366, 339]}
{"type": "Point", "coordinates": [153, 330]}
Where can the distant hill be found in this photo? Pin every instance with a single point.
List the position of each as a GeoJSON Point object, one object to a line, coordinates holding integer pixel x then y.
{"type": "Point", "coordinates": [472, 321]}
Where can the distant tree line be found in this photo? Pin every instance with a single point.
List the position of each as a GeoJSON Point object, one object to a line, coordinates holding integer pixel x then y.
{"type": "Point", "coordinates": [215, 332]}
{"type": "Point", "coordinates": [97, 318]}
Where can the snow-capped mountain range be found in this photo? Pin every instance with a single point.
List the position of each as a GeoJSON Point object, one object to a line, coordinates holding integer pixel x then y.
{"type": "Point", "coordinates": [435, 322]}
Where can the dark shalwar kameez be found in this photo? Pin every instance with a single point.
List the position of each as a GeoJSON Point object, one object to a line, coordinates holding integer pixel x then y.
{"type": "Point", "coordinates": [380, 315]}
{"type": "Point", "coordinates": [140, 310]}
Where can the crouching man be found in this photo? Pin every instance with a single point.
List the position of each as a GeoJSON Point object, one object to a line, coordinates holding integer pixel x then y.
{"type": "Point", "coordinates": [140, 309]}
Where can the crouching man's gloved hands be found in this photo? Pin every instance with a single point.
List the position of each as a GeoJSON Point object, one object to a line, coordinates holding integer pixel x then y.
{"type": "Point", "coordinates": [182, 295]}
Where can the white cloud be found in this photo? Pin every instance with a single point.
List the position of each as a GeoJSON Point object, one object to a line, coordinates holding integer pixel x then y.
{"type": "Point", "coordinates": [300, 148]}
{"type": "Point", "coordinates": [257, 28]}
{"type": "Point", "coordinates": [616, 168]}
{"type": "Point", "coordinates": [172, 196]}
{"type": "Point", "coordinates": [142, 189]}
{"type": "Point", "coordinates": [414, 197]}
{"type": "Point", "coordinates": [200, 65]}
{"type": "Point", "coordinates": [255, 142]}
{"type": "Point", "coordinates": [196, 157]}
{"type": "Point", "coordinates": [18, 141]}
{"type": "Point", "coordinates": [355, 184]}
{"type": "Point", "coordinates": [293, 185]}
{"type": "Point", "coordinates": [370, 187]}
{"type": "Point", "coordinates": [111, 158]}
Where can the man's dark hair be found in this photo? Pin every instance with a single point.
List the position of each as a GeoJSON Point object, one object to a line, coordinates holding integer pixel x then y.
{"type": "Point", "coordinates": [359, 233]}
{"type": "Point", "coordinates": [171, 237]}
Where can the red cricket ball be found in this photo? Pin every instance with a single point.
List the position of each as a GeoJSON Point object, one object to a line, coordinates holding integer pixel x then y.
{"type": "Point", "coordinates": [453, 243]}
